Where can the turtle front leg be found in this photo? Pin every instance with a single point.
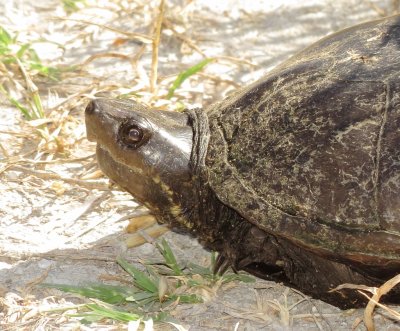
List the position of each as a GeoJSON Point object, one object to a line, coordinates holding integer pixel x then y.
{"type": "Point", "coordinates": [252, 250]}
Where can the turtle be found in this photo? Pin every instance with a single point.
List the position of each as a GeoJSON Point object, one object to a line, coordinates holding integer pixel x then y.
{"type": "Point", "coordinates": [294, 178]}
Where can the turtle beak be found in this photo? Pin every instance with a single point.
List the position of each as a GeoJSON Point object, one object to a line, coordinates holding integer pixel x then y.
{"type": "Point", "coordinates": [91, 112]}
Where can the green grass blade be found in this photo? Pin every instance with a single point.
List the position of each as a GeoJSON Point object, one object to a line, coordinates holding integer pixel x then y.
{"type": "Point", "coordinates": [140, 297]}
{"type": "Point", "coordinates": [88, 318]}
{"type": "Point", "coordinates": [112, 313]}
{"type": "Point", "coordinates": [200, 270]}
{"type": "Point", "coordinates": [22, 50]}
{"type": "Point", "coordinates": [33, 56]}
{"type": "Point", "coordinates": [187, 298]}
{"type": "Point", "coordinates": [71, 6]}
{"type": "Point", "coordinates": [37, 107]}
{"type": "Point", "coordinates": [4, 51]}
{"type": "Point", "coordinates": [49, 72]}
{"type": "Point", "coordinates": [21, 108]}
{"type": "Point", "coordinates": [169, 257]}
{"type": "Point", "coordinates": [186, 74]}
{"type": "Point", "coordinates": [107, 293]}
{"type": "Point", "coordinates": [141, 279]}
{"type": "Point", "coordinates": [5, 37]}
{"type": "Point", "coordinates": [16, 103]}
{"type": "Point", "coordinates": [213, 258]}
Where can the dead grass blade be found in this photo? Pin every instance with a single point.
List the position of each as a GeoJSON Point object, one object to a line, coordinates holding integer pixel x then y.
{"type": "Point", "coordinates": [131, 35]}
{"type": "Point", "coordinates": [156, 43]}
{"type": "Point", "coordinates": [377, 293]}
{"type": "Point", "coordinates": [168, 24]}
{"type": "Point", "coordinates": [89, 184]}
{"type": "Point", "coordinates": [105, 55]}
{"type": "Point", "coordinates": [33, 92]}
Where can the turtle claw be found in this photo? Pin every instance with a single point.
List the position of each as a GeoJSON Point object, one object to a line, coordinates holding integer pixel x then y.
{"type": "Point", "coordinates": [145, 229]}
{"type": "Point", "coordinates": [243, 263]}
{"type": "Point", "coordinates": [221, 265]}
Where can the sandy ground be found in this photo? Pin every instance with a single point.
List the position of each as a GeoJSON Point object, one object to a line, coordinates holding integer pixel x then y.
{"type": "Point", "coordinates": [66, 229]}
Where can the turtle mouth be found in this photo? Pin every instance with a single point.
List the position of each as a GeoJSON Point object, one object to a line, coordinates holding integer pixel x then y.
{"type": "Point", "coordinates": [90, 111]}
{"type": "Point", "coordinates": [129, 178]}
{"type": "Point", "coordinates": [114, 169]}
{"type": "Point", "coordinates": [93, 121]}
{"type": "Point", "coordinates": [147, 189]}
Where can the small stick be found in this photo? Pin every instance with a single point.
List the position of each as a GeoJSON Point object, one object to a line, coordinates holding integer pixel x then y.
{"type": "Point", "coordinates": [382, 290]}
{"type": "Point", "coordinates": [147, 235]}
{"type": "Point", "coordinates": [182, 37]}
{"type": "Point", "coordinates": [156, 43]}
{"type": "Point", "coordinates": [131, 35]}
{"type": "Point", "coordinates": [53, 176]}
{"type": "Point", "coordinates": [140, 223]}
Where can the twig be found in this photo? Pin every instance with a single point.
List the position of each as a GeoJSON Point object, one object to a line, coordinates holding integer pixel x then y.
{"type": "Point", "coordinates": [64, 255]}
{"type": "Point", "coordinates": [4, 150]}
{"type": "Point", "coordinates": [71, 97]}
{"type": "Point", "coordinates": [137, 212]}
{"type": "Point", "coordinates": [21, 159]}
{"type": "Point", "coordinates": [219, 79]}
{"type": "Point", "coordinates": [156, 43]}
{"type": "Point", "coordinates": [392, 312]}
{"type": "Point", "coordinates": [148, 235]}
{"type": "Point", "coordinates": [180, 36]}
{"type": "Point", "coordinates": [236, 60]}
{"type": "Point", "coordinates": [379, 10]}
{"type": "Point", "coordinates": [69, 218]}
{"type": "Point", "coordinates": [98, 56]}
{"type": "Point", "coordinates": [132, 35]}
{"type": "Point", "coordinates": [33, 282]}
{"type": "Point", "coordinates": [89, 228]}
{"type": "Point", "coordinates": [49, 175]}
{"type": "Point", "coordinates": [382, 290]}
{"type": "Point", "coordinates": [314, 306]}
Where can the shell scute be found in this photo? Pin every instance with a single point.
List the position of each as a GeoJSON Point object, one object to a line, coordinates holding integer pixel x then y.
{"type": "Point", "coordinates": [315, 143]}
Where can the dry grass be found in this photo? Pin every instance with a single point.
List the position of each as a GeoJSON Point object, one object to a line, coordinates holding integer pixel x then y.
{"type": "Point", "coordinates": [373, 301]}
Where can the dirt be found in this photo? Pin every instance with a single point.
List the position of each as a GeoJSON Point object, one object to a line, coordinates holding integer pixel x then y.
{"type": "Point", "coordinates": [58, 226]}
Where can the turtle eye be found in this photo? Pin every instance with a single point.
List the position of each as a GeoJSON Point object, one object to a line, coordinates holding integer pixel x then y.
{"type": "Point", "coordinates": [133, 135]}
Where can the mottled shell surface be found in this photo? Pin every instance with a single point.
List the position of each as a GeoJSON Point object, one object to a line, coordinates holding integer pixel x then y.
{"type": "Point", "coordinates": [311, 152]}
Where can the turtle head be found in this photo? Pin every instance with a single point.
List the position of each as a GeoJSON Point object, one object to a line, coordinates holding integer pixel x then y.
{"type": "Point", "coordinates": [147, 152]}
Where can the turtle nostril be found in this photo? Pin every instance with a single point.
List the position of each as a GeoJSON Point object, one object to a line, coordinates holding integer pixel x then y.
{"type": "Point", "coordinates": [91, 107]}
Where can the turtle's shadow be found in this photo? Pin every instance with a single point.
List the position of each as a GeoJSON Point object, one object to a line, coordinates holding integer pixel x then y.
{"type": "Point", "coordinates": [77, 266]}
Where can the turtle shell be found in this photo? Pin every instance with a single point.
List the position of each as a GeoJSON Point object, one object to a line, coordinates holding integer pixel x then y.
{"type": "Point", "coordinates": [311, 152]}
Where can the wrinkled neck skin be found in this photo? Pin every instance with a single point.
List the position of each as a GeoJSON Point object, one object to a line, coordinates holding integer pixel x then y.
{"type": "Point", "coordinates": [211, 221]}
{"type": "Point", "coordinates": [219, 227]}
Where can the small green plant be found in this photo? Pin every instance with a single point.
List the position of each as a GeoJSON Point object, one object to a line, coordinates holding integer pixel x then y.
{"type": "Point", "coordinates": [186, 74]}
{"type": "Point", "coordinates": [71, 6]}
{"type": "Point", "coordinates": [34, 108]}
{"type": "Point", "coordinates": [154, 290]}
{"type": "Point", "coordinates": [16, 56]}
{"type": "Point", "coordinates": [11, 50]}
